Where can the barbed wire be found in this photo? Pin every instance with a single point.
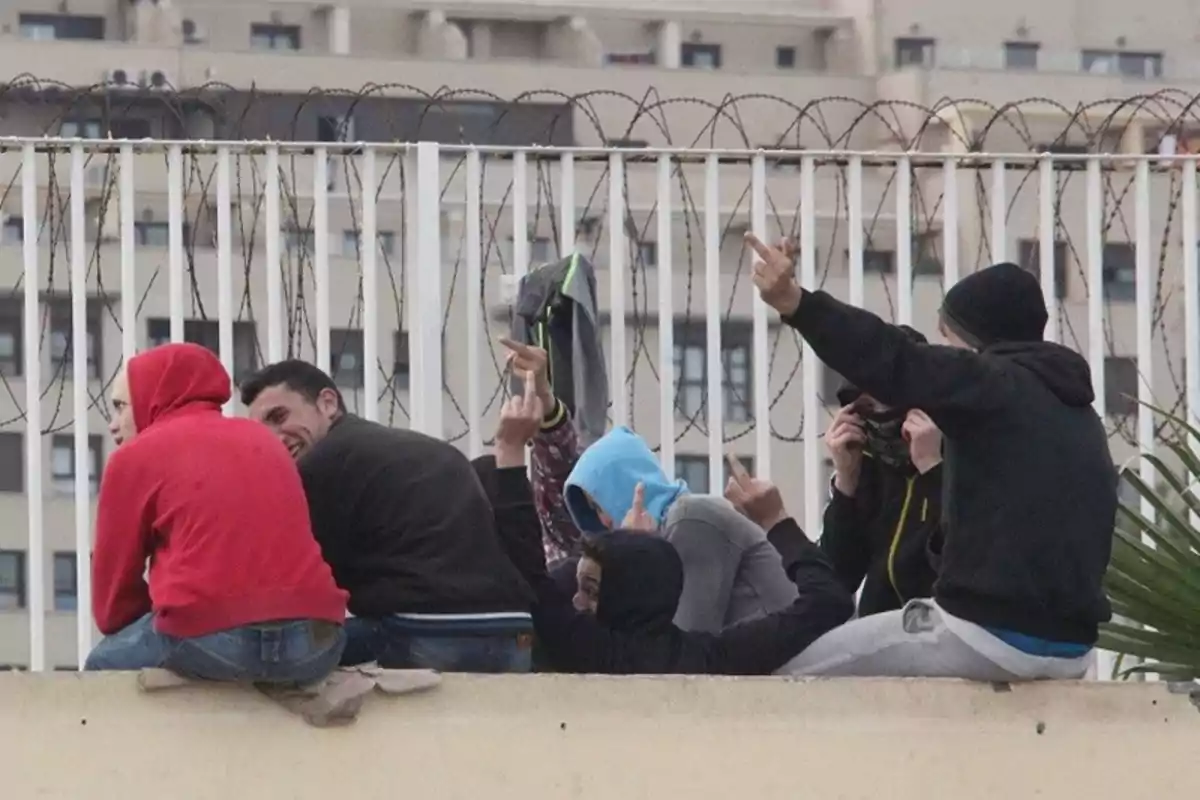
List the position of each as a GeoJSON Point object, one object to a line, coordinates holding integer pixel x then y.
{"type": "Point", "coordinates": [650, 118]}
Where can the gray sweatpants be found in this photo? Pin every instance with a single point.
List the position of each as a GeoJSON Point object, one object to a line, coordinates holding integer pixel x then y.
{"type": "Point", "coordinates": [923, 641]}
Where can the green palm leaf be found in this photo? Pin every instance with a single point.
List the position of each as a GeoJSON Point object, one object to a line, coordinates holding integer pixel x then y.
{"type": "Point", "coordinates": [1153, 580]}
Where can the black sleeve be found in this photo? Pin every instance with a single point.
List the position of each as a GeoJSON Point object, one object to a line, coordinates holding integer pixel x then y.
{"type": "Point", "coordinates": [761, 646]}
{"type": "Point", "coordinates": [844, 539]}
{"type": "Point", "coordinates": [952, 385]}
{"type": "Point", "coordinates": [937, 537]}
{"type": "Point", "coordinates": [517, 523]}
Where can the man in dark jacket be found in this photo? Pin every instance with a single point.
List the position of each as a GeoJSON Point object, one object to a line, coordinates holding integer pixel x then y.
{"type": "Point", "coordinates": [407, 529]}
{"type": "Point", "coordinates": [1030, 486]}
{"type": "Point", "coordinates": [882, 523]}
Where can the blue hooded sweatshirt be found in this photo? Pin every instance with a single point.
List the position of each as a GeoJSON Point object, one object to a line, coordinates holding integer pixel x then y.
{"type": "Point", "coordinates": [609, 471]}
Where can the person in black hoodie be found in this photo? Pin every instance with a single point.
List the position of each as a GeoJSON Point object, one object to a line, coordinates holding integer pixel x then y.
{"type": "Point", "coordinates": [1030, 486]}
{"type": "Point", "coordinates": [407, 529]}
{"type": "Point", "coordinates": [631, 581]}
{"type": "Point", "coordinates": [883, 520]}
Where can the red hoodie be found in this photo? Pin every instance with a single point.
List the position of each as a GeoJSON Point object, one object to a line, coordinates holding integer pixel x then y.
{"type": "Point", "coordinates": [215, 503]}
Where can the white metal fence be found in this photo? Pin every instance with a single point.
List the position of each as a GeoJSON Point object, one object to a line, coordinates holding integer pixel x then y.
{"type": "Point", "coordinates": [405, 306]}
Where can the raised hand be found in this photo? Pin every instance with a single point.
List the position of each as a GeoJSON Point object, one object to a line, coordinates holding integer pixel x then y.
{"type": "Point", "coordinates": [775, 275]}
{"type": "Point", "coordinates": [520, 419]}
{"type": "Point", "coordinates": [638, 519]}
{"type": "Point", "coordinates": [758, 499]}
{"type": "Point", "coordinates": [526, 358]}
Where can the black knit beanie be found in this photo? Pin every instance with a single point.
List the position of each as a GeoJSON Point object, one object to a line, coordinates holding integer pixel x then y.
{"type": "Point", "coordinates": [1001, 303]}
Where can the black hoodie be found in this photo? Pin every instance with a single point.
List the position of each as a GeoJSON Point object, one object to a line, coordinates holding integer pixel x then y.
{"type": "Point", "coordinates": [1030, 490]}
{"type": "Point", "coordinates": [640, 584]}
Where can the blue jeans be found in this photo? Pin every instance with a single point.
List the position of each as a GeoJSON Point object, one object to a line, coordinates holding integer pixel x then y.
{"type": "Point", "coordinates": [393, 644]}
{"type": "Point", "coordinates": [290, 652]}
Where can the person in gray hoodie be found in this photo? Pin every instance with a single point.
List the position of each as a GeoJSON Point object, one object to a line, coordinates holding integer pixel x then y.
{"type": "Point", "coordinates": [731, 572]}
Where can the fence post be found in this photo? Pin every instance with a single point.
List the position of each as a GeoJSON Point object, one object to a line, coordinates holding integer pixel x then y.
{"type": "Point", "coordinates": [425, 293]}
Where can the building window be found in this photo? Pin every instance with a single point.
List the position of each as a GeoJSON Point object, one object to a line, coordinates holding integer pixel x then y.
{"type": "Point", "coordinates": [1114, 62]}
{"type": "Point", "coordinates": [351, 239]}
{"type": "Point", "coordinates": [62, 462]}
{"type": "Point", "coordinates": [11, 336]}
{"type": "Point", "coordinates": [12, 462]}
{"type": "Point", "coordinates": [785, 57]}
{"type": "Point", "coordinates": [207, 333]}
{"type": "Point", "coordinates": [12, 580]}
{"type": "Point", "coordinates": [298, 239]}
{"type": "Point", "coordinates": [61, 340]}
{"type": "Point", "coordinates": [1021, 55]}
{"type": "Point", "coordinates": [152, 234]}
{"type": "Point", "coordinates": [81, 129]}
{"type": "Point", "coordinates": [401, 366]}
{"type": "Point", "coordinates": [916, 52]}
{"type": "Point", "coordinates": [13, 231]}
{"type": "Point", "coordinates": [47, 27]}
{"type": "Point", "coordinates": [647, 254]}
{"type": "Point", "coordinates": [700, 56]}
{"type": "Point", "coordinates": [639, 59]}
{"type": "Point", "coordinates": [346, 363]}
{"type": "Point", "coordinates": [1120, 272]}
{"type": "Point", "coordinates": [691, 371]}
{"type": "Point", "coordinates": [66, 582]}
{"type": "Point", "coordinates": [879, 262]}
{"type": "Point", "coordinates": [693, 470]}
{"type": "Point", "coordinates": [1120, 386]}
{"type": "Point", "coordinates": [130, 128]}
{"type": "Point", "coordinates": [274, 37]}
{"type": "Point", "coordinates": [926, 257]}
{"type": "Point", "coordinates": [1030, 258]}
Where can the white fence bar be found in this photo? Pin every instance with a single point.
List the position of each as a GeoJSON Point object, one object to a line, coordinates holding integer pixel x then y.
{"type": "Point", "coordinates": [368, 246]}
{"type": "Point", "coordinates": [904, 241]}
{"type": "Point", "coordinates": [79, 404]}
{"type": "Point", "coordinates": [714, 363]}
{"type": "Point", "coordinates": [854, 193]}
{"type": "Point", "coordinates": [520, 214]}
{"type": "Point", "coordinates": [760, 354]}
{"type": "Point", "coordinates": [1094, 209]}
{"type": "Point", "coordinates": [175, 255]}
{"type": "Point", "coordinates": [666, 317]}
{"type": "Point", "coordinates": [1047, 228]}
{"type": "Point", "coordinates": [999, 204]}
{"type": "Point", "coordinates": [427, 330]}
{"type": "Point", "coordinates": [225, 268]}
{"type": "Point", "coordinates": [1191, 307]}
{"type": "Point", "coordinates": [617, 250]}
{"type": "Point", "coordinates": [813, 424]}
{"type": "Point", "coordinates": [274, 265]}
{"type": "Point", "coordinates": [476, 304]}
{"type": "Point", "coordinates": [33, 413]}
{"type": "Point", "coordinates": [129, 300]}
{"type": "Point", "coordinates": [566, 205]}
{"type": "Point", "coordinates": [1144, 310]}
{"type": "Point", "coordinates": [950, 270]}
{"type": "Point", "coordinates": [321, 255]}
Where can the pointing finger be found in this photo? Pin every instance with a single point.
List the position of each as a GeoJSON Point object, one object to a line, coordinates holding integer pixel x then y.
{"type": "Point", "coordinates": [757, 245]}
{"type": "Point", "coordinates": [639, 497]}
{"type": "Point", "coordinates": [737, 470]}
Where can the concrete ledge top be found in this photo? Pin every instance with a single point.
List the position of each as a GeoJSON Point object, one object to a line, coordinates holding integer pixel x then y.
{"type": "Point", "coordinates": [92, 737]}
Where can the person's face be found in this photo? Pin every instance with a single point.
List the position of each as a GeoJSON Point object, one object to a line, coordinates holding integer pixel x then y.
{"type": "Point", "coordinates": [587, 593]}
{"type": "Point", "coordinates": [952, 338]}
{"type": "Point", "coordinates": [604, 518]}
{"type": "Point", "coordinates": [121, 424]}
{"type": "Point", "coordinates": [297, 421]}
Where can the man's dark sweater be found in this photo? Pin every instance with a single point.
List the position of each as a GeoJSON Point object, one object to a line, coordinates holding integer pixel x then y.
{"type": "Point", "coordinates": [1030, 490]}
{"type": "Point", "coordinates": [405, 524]}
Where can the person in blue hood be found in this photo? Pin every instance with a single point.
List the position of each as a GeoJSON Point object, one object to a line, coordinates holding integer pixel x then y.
{"type": "Point", "coordinates": [731, 571]}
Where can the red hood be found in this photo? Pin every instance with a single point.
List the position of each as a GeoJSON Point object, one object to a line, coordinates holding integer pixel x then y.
{"type": "Point", "coordinates": [175, 377]}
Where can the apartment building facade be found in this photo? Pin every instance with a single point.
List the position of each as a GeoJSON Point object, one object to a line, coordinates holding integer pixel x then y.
{"type": "Point", "coordinates": [790, 77]}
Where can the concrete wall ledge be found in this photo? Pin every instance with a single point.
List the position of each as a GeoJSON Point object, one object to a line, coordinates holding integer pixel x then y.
{"type": "Point", "coordinates": [95, 737]}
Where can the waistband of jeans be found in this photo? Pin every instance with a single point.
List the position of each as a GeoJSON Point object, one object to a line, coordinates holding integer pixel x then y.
{"type": "Point", "coordinates": [462, 624]}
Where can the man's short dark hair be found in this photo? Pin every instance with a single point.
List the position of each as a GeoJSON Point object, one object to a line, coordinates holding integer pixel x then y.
{"type": "Point", "coordinates": [301, 377]}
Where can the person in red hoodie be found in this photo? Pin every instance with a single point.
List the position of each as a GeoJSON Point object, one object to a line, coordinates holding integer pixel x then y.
{"type": "Point", "coordinates": [237, 587]}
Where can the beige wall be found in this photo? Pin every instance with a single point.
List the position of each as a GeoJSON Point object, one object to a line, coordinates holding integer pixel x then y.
{"type": "Point", "coordinates": [596, 738]}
